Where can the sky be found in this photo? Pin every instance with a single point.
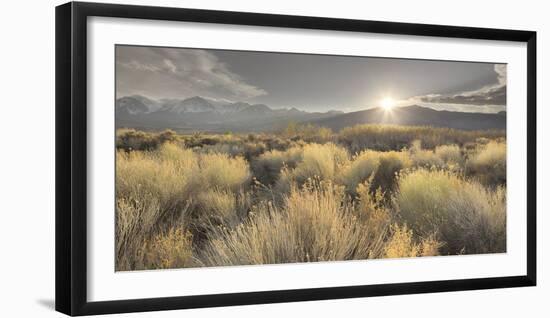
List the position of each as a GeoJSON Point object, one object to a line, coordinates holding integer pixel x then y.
{"type": "Point", "coordinates": [307, 81]}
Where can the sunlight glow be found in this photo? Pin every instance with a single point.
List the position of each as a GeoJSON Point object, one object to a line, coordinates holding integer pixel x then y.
{"type": "Point", "coordinates": [387, 103]}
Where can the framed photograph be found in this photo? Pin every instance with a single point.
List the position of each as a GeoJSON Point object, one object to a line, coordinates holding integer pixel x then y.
{"type": "Point", "coordinates": [208, 158]}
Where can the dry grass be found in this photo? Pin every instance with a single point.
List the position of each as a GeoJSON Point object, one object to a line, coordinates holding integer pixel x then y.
{"type": "Point", "coordinates": [402, 244]}
{"type": "Point", "coordinates": [393, 137]}
{"type": "Point", "coordinates": [466, 216]}
{"type": "Point", "coordinates": [381, 167]}
{"type": "Point", "coordinates": [488, 164]}
{"type": "Point", "coordinates": [319, 162]}
{"type": "Point", "coordinates": [268, 166]}
{"type": "Point", "coordinates": [307, 195]}
{"type": "Point", "coordinates": [166, 187]}
{"type": "Point", "coordinates": [316, 223]}
{"type": "Point", "coordinates": [171, 249]}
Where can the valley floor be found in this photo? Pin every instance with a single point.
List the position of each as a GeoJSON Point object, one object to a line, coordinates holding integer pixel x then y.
{"type": "Point", "coordinates": [306, 194]}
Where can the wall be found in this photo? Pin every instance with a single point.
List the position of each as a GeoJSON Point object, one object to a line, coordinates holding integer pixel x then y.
{"type": "Point", "coordinates": [27, 158]}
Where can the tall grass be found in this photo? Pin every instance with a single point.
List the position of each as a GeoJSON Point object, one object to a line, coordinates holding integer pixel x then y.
{"type": "Point", "coordinates": [307, 195]}
{"type": "Point", "coordinates": [267, 167]}
{"type": "Point", "coordinates": [131, 139]}
{"type": "Point", "coordinates": [169, 187]}
{"type": "Point", "coordinates": [393, 137]}
{"type": "Point", "coordinates": [382, 167]}
{"type": "Point", "coordinates": [319, 162]}
{"type": "Point", "coordinates": [488, 164]}
{"type": "Point", "coordinates": [316, 223]}
{"type": "Point", "coordinates": [466, 216]}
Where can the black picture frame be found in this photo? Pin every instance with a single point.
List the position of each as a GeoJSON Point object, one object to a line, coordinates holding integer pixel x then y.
{"type": "Point", "coordinates": [71, 157]}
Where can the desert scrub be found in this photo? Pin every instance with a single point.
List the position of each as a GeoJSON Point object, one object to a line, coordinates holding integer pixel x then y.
{"type": "Point", "coordinates": [316, 223]}
{"type": "Point", "coordinates": [449, 154]}
{"type": "Point", "coordinates": [402, 244]}
{"type": "Point", "coordinates": [424, 158]}
{"type": "Point", "coordinates": [218, 207]}
{"type": "Point", "coordinates": [220, 171]}
{"type": "Point", "coordinates": [267, 166]}
{"type": "Point", "coordinates": [135, 222]}
{"type": "Point", "coordinates": [169, 249]}
{"type": "Point", "coordinates": [463, 214]}
{"type": "Point", "coordinates": [167, 174]}
{"type": "Point", "coordinates": [308, 132]}
{"type": "Point", "coordinates": [131, 139]}
{"type": "Point", "coordinates": [488, 164]}
{"type": "Point", "coordinates": [319, 162]}
{"type": "Point", "coordinates": [394, 137]}
{"type": "Point", "coordinates": [381, 167]}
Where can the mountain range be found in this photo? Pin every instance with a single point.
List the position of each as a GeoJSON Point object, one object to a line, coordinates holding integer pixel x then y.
{"type": "Point", "coordinates": [203, 114]}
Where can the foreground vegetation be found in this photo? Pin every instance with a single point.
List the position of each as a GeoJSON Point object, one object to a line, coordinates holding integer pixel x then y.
{"type": "Point", "coordinates": [306, 194]}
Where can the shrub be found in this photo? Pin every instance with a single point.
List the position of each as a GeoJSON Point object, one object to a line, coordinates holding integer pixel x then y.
{"type": "Point", "coordinates": [359, 170]}
{"type": "Point", "coordinates": [390, 164]}
{"type": "Point", "coordinates": [135, 221]}
{"type": "Point", "coordinates": [171, 249]}
{"type": "Point", "coordinates": [319, 161]}
{"type": "Point", "coordinates": [167, 174]}
{"type": "Point", "coordinates": [267, 166]}
{"type": "Point", "coordinates": [316, 223]}
{"type": "Point", "coordinates": [131, 139]}
{"type": "Point", "coordinates": [450, 154]}
{"type": "Point", "coordinates": [463, 214]}
{"type": "Point", "coordinates": [216, 203]}
{"type": "Point", "coordinates": [308, 132]}
{"type": "Point", "coordinates": [219, 171]}
{"type": "Point", "coordinates": [394, 137]}
{"type": "Point", "coordinates": [382, 167]}
{"type": "Point", "coordinates": [402, 244]}
{"type": "Point", "coordinates": [424, 158]}
{"type": "Point", "coordinates": [489, 164]}
{"type": "Point", "coordinates": [246, 149]}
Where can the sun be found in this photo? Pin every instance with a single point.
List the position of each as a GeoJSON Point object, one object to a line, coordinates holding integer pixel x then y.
{"type": "Point", "coordinates": [387, 103]}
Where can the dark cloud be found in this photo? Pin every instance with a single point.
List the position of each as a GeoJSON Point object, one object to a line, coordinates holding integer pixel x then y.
{"type": "Point", "coordinates": [488, 95]}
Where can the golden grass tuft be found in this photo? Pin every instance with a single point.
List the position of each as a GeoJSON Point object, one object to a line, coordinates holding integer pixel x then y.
{"type": "Point", "coordinates": [488, 164]}
{"type": "Point", "coordinates": [316, 223]}
{"type": "Point", "coordinates": [466, 216]}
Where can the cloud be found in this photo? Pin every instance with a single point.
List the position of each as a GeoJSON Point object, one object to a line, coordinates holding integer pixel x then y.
{"type": "Point", "coordinates": [488, 95]}
{"type": "Point", "coordinates": [178, 73]}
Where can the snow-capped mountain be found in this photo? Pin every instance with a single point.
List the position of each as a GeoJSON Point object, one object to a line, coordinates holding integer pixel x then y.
{"type": "Point", "coordinates": [201, 113]}
{"type": "Point", "coordinates": [190, 105]}
{"type": "Point", "coordinates": [136, 104]}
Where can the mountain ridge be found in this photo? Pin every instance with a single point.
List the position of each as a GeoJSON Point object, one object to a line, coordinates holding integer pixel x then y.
{"type": "Point", "coordinates": [416, 115]}
{"type": "Point", "coordinates": [203, 114]}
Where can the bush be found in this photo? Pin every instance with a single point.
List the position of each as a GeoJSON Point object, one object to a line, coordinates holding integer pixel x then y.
{"type": "Point", "coordinates": [267, 166]}
{"type": "Point", "coordinates": [382, 167]}
{"type": "Point", "coordinates": [320, 161]}
{"type": "Point", "coordinates": [316, 223]}
{"type": "Point", "coordinates": [402, 244]}
{"type": "Point", "coordinates": [171, 249]}
{"type": "Point", "coordinates": [200, 205]}
{"type": "Point", "coordinates": [135, 222]}
{"type": "Point", "coordinates": [424, 158]}
{"type": "Point", "coordinates": [450, 154]}
{"type": "Point", "coordinates": [394, 137]}
{"type": "Point", "coordinates": [463, 214]}
{"type": "Point", "coordinates": [488, 165]}
{"type": "Point", "coordinates": [168, 175]}
{"type": "Point", "coordinates": [308, 132]}
{"type": "Point", "coordinates": [131, 139]}
{"type": "Point", "coordinates": [219, 171]}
